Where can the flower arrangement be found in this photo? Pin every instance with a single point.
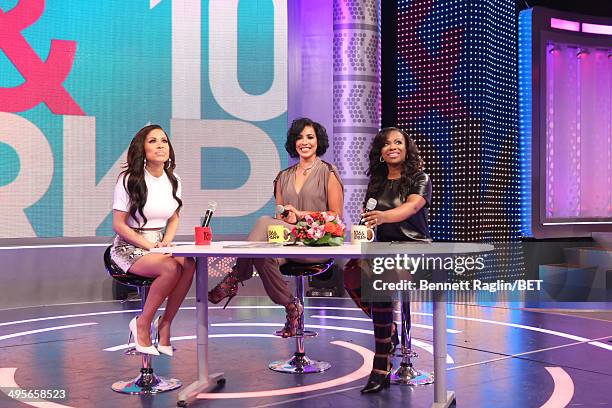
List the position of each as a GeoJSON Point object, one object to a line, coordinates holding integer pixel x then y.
{"type": "Point", "coordinates": [320, 228]}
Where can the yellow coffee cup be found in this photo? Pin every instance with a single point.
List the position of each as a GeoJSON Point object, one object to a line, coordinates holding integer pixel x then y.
{"type": "Point", "coordinates": [278, 233]}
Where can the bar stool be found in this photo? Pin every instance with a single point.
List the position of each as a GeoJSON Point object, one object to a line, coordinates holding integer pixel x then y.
{"type": "Point", "coordinates": [147, 382]}
{"type": "Point", "coordinates": [406, 374]}
{"type": "Point", "coordinates": [300, 363]}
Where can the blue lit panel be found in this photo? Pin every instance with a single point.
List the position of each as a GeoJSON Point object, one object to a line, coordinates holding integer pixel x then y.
{"type": "Point", "coordinates": [525, 117]}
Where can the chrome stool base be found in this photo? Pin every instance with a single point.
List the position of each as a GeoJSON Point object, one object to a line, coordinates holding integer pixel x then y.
{"type": "Point", "coordinates": [146, 383]}
{"type": "Point", "coordinates": [406, 374]}
{"type": "Point", "coordinates": [299, 364]}
{"type": "Point", "coordinates": [305, 333]}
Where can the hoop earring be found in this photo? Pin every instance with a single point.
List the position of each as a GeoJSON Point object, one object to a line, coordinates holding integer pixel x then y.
{"type": "Point", "coordinates": [381, 159]}
{"type": "Point", "coordinates": [169, 163]}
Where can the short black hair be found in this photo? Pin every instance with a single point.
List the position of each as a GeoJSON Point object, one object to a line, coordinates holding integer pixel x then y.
{"type": "Point", "coordinates": [296, 128]}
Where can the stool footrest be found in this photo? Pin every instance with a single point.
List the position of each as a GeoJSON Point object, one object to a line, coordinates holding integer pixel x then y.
{"type": "Point", "coordinates": [406, 374]}
{"type": "Point", "coordinates": [305, 334]}
{"type": "Point", "coordinates": [146, 383]}
{"type": "Point", "coordinates": [406, 354]}
{"type": "Point", "coordinates": [299, 364]}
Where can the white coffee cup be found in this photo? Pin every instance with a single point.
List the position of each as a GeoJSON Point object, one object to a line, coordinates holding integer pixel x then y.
{"type": "Point", "coordinates": [360, 233]}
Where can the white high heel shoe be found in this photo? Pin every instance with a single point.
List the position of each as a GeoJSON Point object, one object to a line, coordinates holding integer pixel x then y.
{"type": "Point", "coordinates": [141, 349]}
{"type": "Point", "coordinates": [167, 350]}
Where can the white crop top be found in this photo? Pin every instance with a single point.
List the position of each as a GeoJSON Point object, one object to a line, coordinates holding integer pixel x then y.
{"type": "Point", "coordinates": [160, 205]}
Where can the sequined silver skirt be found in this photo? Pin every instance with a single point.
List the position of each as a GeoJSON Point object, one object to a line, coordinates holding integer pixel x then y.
{"type": "Point", "coordinates": [124, 254]}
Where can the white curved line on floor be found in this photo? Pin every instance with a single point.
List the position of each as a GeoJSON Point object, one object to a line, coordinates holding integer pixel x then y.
{"type": "Point", "coordinates": [367, 319]}
{"type": "Point", "coordinates": [68, 316]}
{"type": "Point", "coordinates": [46, 329]}
{"type": "Point", "coordinates": [563, 391]}
{"type": "Point", "coordinates": [601, 345]}
{"type": "Point", "coordinates": [536, 329]}
{"type": "Point", "coordinates": [519, 326]}
{"type": "Point", "coordinates": [179, 338]}
{"type": "Point", "coordinates": [525, 353]}
{"type": "Point", "coordinates": [110, 312]}
{"type": "Point", "coordinates": [417, 343]}
{"type": "Point", "coordinates": [7, 381]}
{"type": "Point", "coordinates": [361, 372]}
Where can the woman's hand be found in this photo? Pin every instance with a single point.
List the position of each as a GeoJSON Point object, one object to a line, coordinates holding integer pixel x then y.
{"type": "Point", "coordinates": [162, 244]}
{"type": "Point", "coordinates": [374, 218]}
{"type": "Point", "coordinates": [294, 214]}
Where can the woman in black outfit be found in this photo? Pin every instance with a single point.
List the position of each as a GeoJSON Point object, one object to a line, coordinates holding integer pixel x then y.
{"type": "Point", "coordinates": [403, 193]}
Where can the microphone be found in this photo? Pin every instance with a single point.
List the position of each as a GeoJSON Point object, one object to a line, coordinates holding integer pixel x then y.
{"type": "Point", "coordinates": [212, 206]}
{"type": "Point", "coordinates": [370, 205]}
{"type": "Point", "coordinates": [280, 209]}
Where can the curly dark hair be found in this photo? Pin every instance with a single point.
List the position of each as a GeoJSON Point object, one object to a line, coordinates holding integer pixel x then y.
{"type": "Point", "coordinates": [378, 171]}
{"type": "Point", "coordinates": [296, 128]}
{"type": "Point", "coordinates": [134, 168]}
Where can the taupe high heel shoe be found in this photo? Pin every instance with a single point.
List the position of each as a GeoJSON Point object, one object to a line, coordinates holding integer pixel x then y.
{"type": "Point", "coordinates": [227, 288]}
{"type": "Point", "coordinates": [294, 312]}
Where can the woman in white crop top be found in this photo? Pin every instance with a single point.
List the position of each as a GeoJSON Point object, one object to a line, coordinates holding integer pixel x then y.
{"type": "Point", "coordinates": [146, 207]}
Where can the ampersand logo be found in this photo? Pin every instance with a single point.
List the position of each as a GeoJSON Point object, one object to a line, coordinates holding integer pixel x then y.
{"type": "Point", "coordinates": [43, 80]}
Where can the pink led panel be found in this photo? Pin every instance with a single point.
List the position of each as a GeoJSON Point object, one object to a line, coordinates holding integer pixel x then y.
{"type": "Point", "coordinates": [596, 29]}
{"type": "Point", "coordinates": [564, 24]}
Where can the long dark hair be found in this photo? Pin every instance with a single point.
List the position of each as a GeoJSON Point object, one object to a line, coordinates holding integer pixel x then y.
{"type": "Point", "coordinates": [378, 171]}
{"type": "Point", "coordinates": [134, 173]}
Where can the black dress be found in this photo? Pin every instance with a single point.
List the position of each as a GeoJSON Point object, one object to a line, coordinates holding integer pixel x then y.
{"type": "Point", "coordinates": [391, 196]}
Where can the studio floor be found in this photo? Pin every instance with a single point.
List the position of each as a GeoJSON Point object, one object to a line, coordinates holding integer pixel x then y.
{"type": "Point", "coordinates": [497, 356]}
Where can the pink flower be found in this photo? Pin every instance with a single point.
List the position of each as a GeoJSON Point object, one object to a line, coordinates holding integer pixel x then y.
{"type": "Point", "coordinates": [318, 232]}
{"type": "Point", "coordinates": [328, 217]}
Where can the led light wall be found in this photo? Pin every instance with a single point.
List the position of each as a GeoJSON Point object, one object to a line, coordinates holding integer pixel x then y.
{"type": "Point", "coordinates": [457, 88]}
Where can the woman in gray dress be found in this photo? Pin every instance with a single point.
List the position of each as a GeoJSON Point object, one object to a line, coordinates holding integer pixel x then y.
{"type": "Point", "coordinates": [311, 185]}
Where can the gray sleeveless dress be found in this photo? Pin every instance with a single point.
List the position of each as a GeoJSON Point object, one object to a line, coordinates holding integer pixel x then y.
{"type": "Point", "coordinates": [312, 197]}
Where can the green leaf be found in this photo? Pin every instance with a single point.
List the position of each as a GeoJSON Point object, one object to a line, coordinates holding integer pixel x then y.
{"type": "Point", "coordinates": [336, 241]}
